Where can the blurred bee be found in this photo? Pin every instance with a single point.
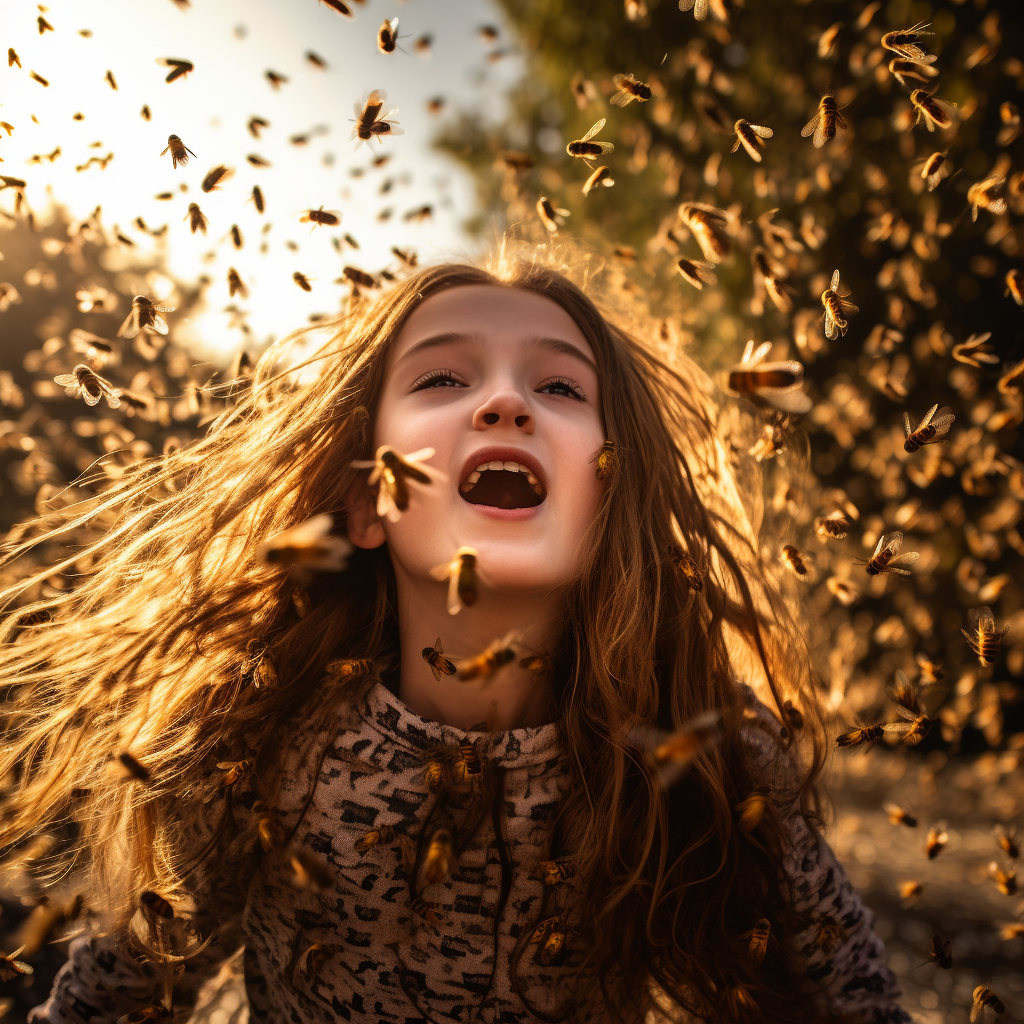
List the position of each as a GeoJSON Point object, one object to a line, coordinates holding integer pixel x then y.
{"type": "Point", "coordinates": [154, 905]}
{"type": "Point", "coordinates": [369, 123]}
{"type": "Point", "coordinates": [705, 224]}
{"type": "Point", "coordinates": [1006, 881]}
{"type": "Point", "coordinates": [834, 526]}
{"type": "Point", "coordinates": [758, 944]}
{"type": "Point", "coordinates": [796, 561]}
{"type": "Point", "coordinates": [111, 81]}
{"type": "Point", "coordinates": [696, 273]}
{"type": "Point", "coordinates": [434, 657]}
{"type": "Point", "coordinates": [825, 121]}
{"type": "Point", "coordinates": [983, 637]}
{"type": "Point", "coordinates": [674, 752]}
{"type": "Point", "coordinates": [864, 737]}
{"type": "Point", "coordinates": [551, 216]}
{"type": "Point", "coordinates": [931, 429]}
{"type": "Point", "coordinates": [898, 816]}
{"type": "Point", "coordinates": [310, 872]}
{"type": "Point", "coordinates": [985, 997]}
{"type": "Point", "coordinates": [394, 471]}
{"type": "Point", "coordinates": [982, 196]}
{"type": "Point", "coordinates": [135, 768]}
{"type": "Point", "coordinates": [588, 151]}
{"type": "Point", "coordinates": [313, 958]}
{"type": "Point", "coordinates": [216, 178]}
{"type": "Point", "coordinates": [84, 382]}
{"type": "Point", "coordinates": [439, 858]}
{"type": "Point", "coordinates": [485, 664]}
{"type": "Point", "coordinates": [382, 835]}
{"type": "Point", "coordinates": [359, 279]}
{"type": "Point", "coordinates": [276, 79]}
{"type": "Point", "coordinates": [699, 8]}
{"type": "Point", "coordinates": [629, 89]}
{"type": "Point", "coordinates": [236, 285]}
{"type": "Point", "coordinates": [931, 671]}
{"type": "Point", "coordinates": [936, 113]}
{"type": "Point", "coordinates": [934, 169]}
{"type": "Point", "coordinates": [329, 218]}
{"type": "Point", "coordinates": [95, 349]}
{"type": "Point", "coordinates": [937, 839]}
{"type": "Point", "coordinates": [339, 7]}
{"type": "Point", "coordinates": [233, 771]}
{"type": "Point", "coordinates": [910, 890]}
{"type": "Point", "coordinates": [257, 161]}
{"type": "Point", "coordinates": [144, 112]}
{"type": "Point", "coordinates": [179, 68]}
{"type": "Point", "coordinates": [345, 669]}
{"type": "Point", "coordinates": [178, 150]}
{"type": "Point", "coordinates": [425, 912]}
{"type": "Point", "coordinates": [835, 307]}
{"type": "Point", "coordinates": [750, 136]}
{"type": "Point", "coordinates": [886, 557]}
{"type": "Point", "coordinates": [301, 602]}
{"type": "Point", "coordinates": [606, 458]}
{"type": "Point", "coordinates": [1011, 931]}
{"type": "Point", "coordinates": [12, 57]}
{"type": "Point", "coordinates": [266, 828]}
{"type": "Point", "coordinates": [310, 545]}
{"type": "Point", "coordinates": [467, 765]}
{"type": "Point", "coordinates": [423, 45]}
{"type": "Point", "coordinates": [773, 384]}
{"type": "Point", "coordinates": [691, 571]}
{"type": "Point", "coordinates": [407, 256]}
{"type": "Point", "coordinates": [1008, 843]}
{"type": "Point", "coordinates": [36, 77]}
{"type": "Point", "coordinates": [145, 316]}
{"type": "Point", "coordinates": [1015, 285]}
{"type": "Point", "coordinates": [196, 218]}
{"type": "Point", "coordinates": [827, 41]}
{"type": "Point", "coordinates": [387, 36]}
{"type": "Point", "coordinates": [973, 352]}
{"type": "Point", "coordinates": [940, 953]}
{"type": "Point", "coordinates": [901, 69]}
{"type": "Point", "coordinates": [769, 274]}
{"type": "Point", "coordinates": [538, 664]}
{"type": "Point", "coordinates": [903, 41]}
{"type": "Point", "coordinates": [601, 176]}
{"type": "Point", "coordinates": [461, 575]}
{"type": "Point", "coordinates": [750, 810]}
{"type": "Point", "coordinates": [256, 124]}
{"type": "Point", "coordinates": [316, 60]}
{"type": "Point", "coordinates": [830, 934]}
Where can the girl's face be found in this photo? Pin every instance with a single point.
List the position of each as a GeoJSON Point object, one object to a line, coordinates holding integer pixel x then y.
{"type": "Point", "coordinates": [477, 367]}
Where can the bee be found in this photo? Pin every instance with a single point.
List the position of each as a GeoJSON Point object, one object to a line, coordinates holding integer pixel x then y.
{"type": "Point", "coordinates": [387, 36]}
{"type": "Point", "coordinates": [155, 905]}
{"type": "Point", "coordinates": [551, 872]}
{"type": "Point", "coordinates": [901, 69]}
{"type": "Point", "coordinates": [908, 704]}
{"type": "Point", "coordinates": [936, 113]}
{"type": "Point", "coordinates": [236, 285]}
{"type": "Point", "coordinates": [1015, 285]}
{"type": "Point", "coordinates": [629, 89]}
{"type": "Point", "coordinates": [886, 557]}
{"type": "Point", "coordinates": [434, 657]}
{"type": "Point", "coordinates": [940, 953]}
{"type": "Point", "coordinates": [985, 997]}
{"type": "Point", "coordinates": [696, 273]}
{"type": "Point", "coordinates": [12, 57]}
{"type": "Point", "coordinates": [467, 763]}
{"type": "Point", "coordinates": [758, 944]}
{"type": "Point", "coordinates": [394, 471]}
{"type": "Point", "coordinates": [485, 664]}
{"type": "Point", "coordinates": [551, 216]}
{"type": "Point", "coordinates": [588, 151]}
{"type": "Point", "coordinates": [705, 224]}
{"type": "Point", "coordinates": [301, 602]}
{"type": "Point", "coordinates": [383, 835]}
{"type": "Point", "coordinates": [863, 737]}
{"type": "Point", "coordinates": [699, 8]}
{"type": "Point", "coordinates": [144, 112]}
{"type": "Point", "coordinates": [931, 671]}
{"type": "Point", "coordinates": [937, 839]}
{"type": "Point", "coordinates": [691, 571]}
{"type": "Point", "coordinates": [311, 873]}
{"type": "Point", "coordinates": [825, 121]}
{"type": "Point", "coordinates": [266, 828]}
{"type": "Point", "coordinates": [834, 526]}
{"type": "Point", "coordinates": [461, 574]}
{"type": "Point", "coordinates": [773, 384]}
{"type": "Point", "coordinates": [1012, 380]}
{"type": "Point", "coordinates": [135, 768]}
{"type": "Point", "coordinates": [92, 347]}
{"type": "Point", "coordinates": [196, 218]}
{"type": "Point", "coordinates": [345, 669]}
{"type": "Point", "coordinates": [829, 934]}
{"type": "Point", "coordinates": [973, 352]}
{"type": "Point", "coordinates": [796, 561]}
{"type": "Point", "coordinates": [902, 41]}
{"type": "Point", "coordinates": [606, 458]}
{"type": "Point", "coordinates": [538, 664]}
{"type": "Point", "coordinates": [178, 150]}
{"type": "Point", "coordinates": [407, 256]}
{"type": "Point", "coordinates": [145, 316]}
{"type": "Point", "coordinates": [423, 45]}
{"type": "Point", "coordinates": [439, 858]}
{"type": "Point", "coordinates": [11, 966]}
{"type": "Point", "coordinates": [310, 545]}
{"type": "Point", "coordinates": [1006, 881]}
{"type": "Point", "coordinates": [674, 752]}
{"type": "Point", "coordinates": [339, 7]}
{"type": "Point", "coordinates": [983, 637]}
{"type": "Point", "coordinates": [910, 890]}
{"type": "Point", "coordinates": [216, 178]}
{"type": "Point", "coordinates": [601, 176]}
{"type": "Point", "coordinates": [233, 771]}
{"type": "Point", "coordinates": [547, 935]}
{"type": "Point", "coordinates": [751, 810]}
{"type": "Point", "coordinates": [982, 196]}
{"type": "Point", "coordinates": [84, 382]}
{"type": "Point", "coordinates": [369, 123]}
{"type": "Point", "coordinates": [835, 307]}
{"type": "Point", "coordinates": [750, 136]}
{"type": "Point", "coordinates": [930, 430]}
{"type": "Point", "coordinates": [302, 281]}
{"type": "Point", "coordinates": [111, 81]}
{"type": "Point", "coordinates": [179, 68]}
{"type": "Point", "coordinates": [276, 79]}
{"type": "Point", "coordinates": [312, 959]}
{"type": "Point", "coordinates": [1007, 839]}
{"type": "Point", "coordinates": [898, 816]}
{"type": "Point", "coordinates": [769, 274]}
{"type": "Point", "coordinates": [1011, 931]}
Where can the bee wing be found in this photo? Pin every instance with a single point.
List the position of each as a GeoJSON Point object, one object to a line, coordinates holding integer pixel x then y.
{"type": "Point", "coordinates": [904, 694]}
{"type": "Point", "coordinates": [762, 350]}
{"type": "Point", "coordinates": [835, 281]}
{"type": "Point", "coordinates": [594, 130]}
{"type": "Point", "coordinates": [130, 327]}
{"type": "Point", "coordinates": [927, 417]}
{"type": "Point", "coordinates": [700, 10]}
{"type": "Point", "coordinates": [820, 134]}
{"type": "Point", "coordinates": [386, 507]}
{"type": "Point", "coordinates": [810, 127]}
{"type": "Point", "coordinates": [765, 133]}
{"type": "Point", "coordinates": [454, 604]}
{"type": "Point", "coordinates": [890, 541]}
{"type": "Point", "coordinates": [605, 147]}
{"type": "Point", "coordinates": [750, 148]}
{"type": "Point", "coordinates": [943, 420]}
{"type": "Point", "coordinates": [441, 572]}
{"type": "Point", "coordinates": [795, 402]}
{"type": "Point", "coordinates": [745, 358]}
{"type": "Point", "coordinates": [686, 5]}
{"type": "Point", "coordinates": [418, 456]}
{"type": "Point", "coordinates": [907, 429]}
{"type": "Point", "coordinates": [907, 558]}
{"type": "Point", "coordinates": [159, 324]}
{"type": "Point", "coordinates": [848, 307]}
{"type": "Point", "coordinates": [66, 380]}
{"type": "Point", "coordinates": [830, 324]}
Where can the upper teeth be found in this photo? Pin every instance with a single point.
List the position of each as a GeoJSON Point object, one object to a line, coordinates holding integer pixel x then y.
{"type": "Point", "coordinates": [511, 467]}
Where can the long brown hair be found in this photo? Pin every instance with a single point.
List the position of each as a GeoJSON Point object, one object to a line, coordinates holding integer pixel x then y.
{"type": "Point", "coordinates": [158, 650]}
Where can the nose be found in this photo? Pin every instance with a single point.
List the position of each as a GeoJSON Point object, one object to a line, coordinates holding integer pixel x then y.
{"type": "Point", "coordinates": [504, 405]}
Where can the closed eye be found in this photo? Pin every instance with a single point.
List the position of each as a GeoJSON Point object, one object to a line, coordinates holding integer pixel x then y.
{"type": "Point", "coordinates": [429, 380]}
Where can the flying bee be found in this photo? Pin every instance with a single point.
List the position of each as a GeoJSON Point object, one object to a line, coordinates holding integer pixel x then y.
{"type": "Point", "coordinates": [439, 858]}
{"type": "Point", "coordinates": [796, 562]}
{"type": "Point", "coordinates": [774, 384]}
{"type": "Point", "coordinates": [92, 347]}
{"type": "Point", "coordinates": [930, 430]}
{"type": "Point", "coordinates": [196, 218]}
{"type": "Point", "coordinates": [179, 68]}
{"type": "Point", "coordinates": [606, 458]}
{"type": "Point", "coordinates": [1006, 881]}
{"type": "Point", "coordinates": [233, 771]}
{"type": "Point", "coordinates": [302, 281]}
{"type": "Point", "coordinates": [699, 8]}
{"type": "Point", "coordinates": [145, 316]}
{"type": "Point", "coordinates": [934, 169]}
{"type": "Point", "coordinates": [256, 124]}
{"type": "Point", "coordinates": [940, 953]}
{"type": "Point", "coordinates": [339, 7]}
{"type": "Point", "coordinates": [901, 69]}
{"type": "Point", "coordinates": [865, 737]}
{"type": "Point", "coordinates": [1007, 839]}
{"type": "Point", "coordinates": [387, 36]}
{"type": "Point", "coordinates": [937, 839]}
{"type": "Point", "coordinates": [178, 150]}
{"type": "Point", "coordinates": [985, 997]}
{"type": "Point", "coordinates": [835, 307]}
{"type": "Point", "coordinates": [825, 121]}
{"type": "Point", "coordinates": [434, 657]}
{"type": "Point", "coordinates": [898, 816]}
{"type": "Point", "coordinates": [936, 113]}
{"type": "Point", "coordinates": [1015, 285]}
{"type": "Point", "coordinates": [310, 872]}
{"type": "Point", "coordinates": [768, 273]}
{"type": "Point", "coordinates": [310, 545]}
{"type": "Point", "coordinates": [834, 526]}
{"type": "Point", "coordinates": [750, 810]}
{"type": "Point", "coordinates": [551, 216]}
{"type": "Point", "coordinates": [135, 768]}
{"type": "Point", "coordinates": [461, 574]}
{"type": "Point", "coordinates": [705, 224]}
{"type": "Point", "coordinates": [674, 752]}
{"type": "Point", "coordinates": [316, 60]}
{"type": "Point", "coordinates": [758, 944]}
{"type": "Point", "coordinates": [886, 557]}
{"type": "Point", "coordinates": [216, 178]}
{"type": "Point", "coordinates": [538, 664]}
{"type": "Point", "coordinates": [84, 382]}
{"type": "Point", "coordinates": [236, 285]}
{"type": "Point", "coordinates": [903, 41]}
{"type": "Point", "coordinates": [973, 351]}
{"type": "Point", "coordinates": [588, 151]}
{"type": "Point", "coordinates": [485, 664]}
{"type": "Point", "coordinates": [982, 196]}
{"type": "Point", "coordinates": [841, 590]}
{"type": "Point", "coordinates": [916, 724]}
{"type": "Point", "coordinates": [910, 890]}
{"type": "Point", "coordinates": [750, 136]}
{"type": "Point", "coordinates": [394, 471]}
{"type": "Point", "coordinates": [696, 273]}
{"type": "Point", "coordinates": [369, 123]}
{"type": "Point", "coordinates": [383, 835]}
{"type": "Point", "coordinates": [983, 637]}
{"type": "Point", "coordinates": [629, 89]}
{"type": "Point", "coordinates": [601, 176]}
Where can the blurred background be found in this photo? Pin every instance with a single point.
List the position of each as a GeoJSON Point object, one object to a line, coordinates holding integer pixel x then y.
{"type": "Point", "coordinates": [917, 201]}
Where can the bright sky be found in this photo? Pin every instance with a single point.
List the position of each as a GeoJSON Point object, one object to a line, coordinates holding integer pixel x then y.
{"type": "Point", "coordinates": [232, 44]}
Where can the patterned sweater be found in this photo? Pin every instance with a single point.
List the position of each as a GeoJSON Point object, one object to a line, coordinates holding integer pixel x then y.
{"type": "Point", "coordinates": [380, 957]}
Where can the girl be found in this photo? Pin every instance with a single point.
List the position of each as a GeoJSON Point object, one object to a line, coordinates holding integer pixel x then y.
{"type": "Point", "coordinates": [602, 824]}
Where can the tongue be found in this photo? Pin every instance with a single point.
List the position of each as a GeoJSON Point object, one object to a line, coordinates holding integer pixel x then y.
{"type": "Point", "coordinates": [503, 489]}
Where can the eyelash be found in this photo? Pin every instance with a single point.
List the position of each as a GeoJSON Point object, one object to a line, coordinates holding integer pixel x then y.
{"type": "Point", "coordinates": [434, 375]}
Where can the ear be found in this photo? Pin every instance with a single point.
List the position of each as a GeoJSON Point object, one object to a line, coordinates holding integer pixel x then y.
{"type": "Point", "coordinates": [365, 529]}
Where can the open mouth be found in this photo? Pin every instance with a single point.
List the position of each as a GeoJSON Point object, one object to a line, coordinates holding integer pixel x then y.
{"type": "Point", "coordinates": [503, 485]}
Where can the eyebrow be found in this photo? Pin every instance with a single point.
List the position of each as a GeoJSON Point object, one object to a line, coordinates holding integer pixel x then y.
{"type": "Point", "coordinates": [460, 338]}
